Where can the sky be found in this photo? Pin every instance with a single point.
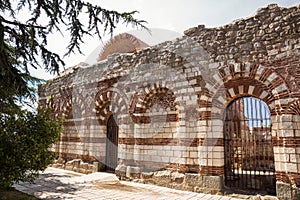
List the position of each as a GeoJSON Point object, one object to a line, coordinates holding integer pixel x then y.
{"type": "Point", "coordinates": [173, 15]}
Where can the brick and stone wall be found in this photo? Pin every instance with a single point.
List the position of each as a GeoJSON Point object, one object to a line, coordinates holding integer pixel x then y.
{"type": "Point", "coordinates": [169, 100]}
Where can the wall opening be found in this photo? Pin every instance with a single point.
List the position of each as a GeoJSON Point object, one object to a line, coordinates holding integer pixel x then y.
{"type": "Point", "coordinates": [112, 135]}
{"type": "Point", "coordinates": [249, 157]}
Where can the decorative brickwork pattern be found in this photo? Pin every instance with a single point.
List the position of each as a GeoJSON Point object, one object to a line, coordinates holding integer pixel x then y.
{"type": "Point", "coordinates": [169, 99]}
{"type": "Point", "coordinates": [123, 43]}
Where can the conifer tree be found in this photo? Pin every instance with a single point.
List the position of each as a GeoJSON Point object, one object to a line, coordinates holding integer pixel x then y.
{"type": "Point", "coordinates": [26, 136]}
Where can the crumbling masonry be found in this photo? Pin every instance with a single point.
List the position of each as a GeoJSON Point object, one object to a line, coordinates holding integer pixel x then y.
{"type": "Point", "coordinates": [157, 114]}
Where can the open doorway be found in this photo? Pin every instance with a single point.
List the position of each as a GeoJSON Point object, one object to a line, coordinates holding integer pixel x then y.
{"type": "Point", "coordinates": [112, 136]}
{"type": "Point", "coordinates": [249, 157]}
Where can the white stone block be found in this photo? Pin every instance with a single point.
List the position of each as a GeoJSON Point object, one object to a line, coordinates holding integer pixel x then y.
{"type": "Point", "coordinates": [198, 89]}
{"type": "Point", "coordinates": [296, 118]}
{"type": "Point", "coordinates": [218, 162]}
{"type": "Point", "coordinates": [217, 154]}
{"type": "Point", "coordinates": [241, 89]}
{"type": "Point", "coordinates": [202, 129]}
{"type": "Point", "coordinates": [191, 102]}
{"type": "Point", "coordinates": [294, 158]}
{"type": "Point", "coordinates": [282, 157]}
{"type": "Point", "coordinates": [152, 152]}
{"type": "Point", "coordinates": [173, 159]}
{"type": "Point", "coordinates": [222, 100]}
{"type": "Point", "coordinates": [263, 95]}
{"type": "Point", "coordinates": [217, 78]}
{"type": "Point", "coordinates": [167, 135]}
{"type": "Point", "coordinates": [297, 133]}
{"type": "Point", "coordinates": [191, 90]}
{"type": "Point", "coordinates": [177, 153]}
{"type": "Point", "coordinates": [181, 161]}
{"type": "Point", "coordinates": [231, 92]}
{"type": "Point", "coordinates": [169, 153]}
{"type": "Point", "coordinates": [289, 150]}
{"type": "Point", "coordinates": [166, 148]}
{"type": "Point", "coordinates": [210, 88]}
{"type": "Point", "coordinates": [165, 159]}
{"type": "Point", "coordinates": [218, 148]}
{"type": "Point", "coordinates": [250, 89]}
{"type": "Point", "coordinates": [158, 148]}
{"type": "Point", "coordinates": [181, 123]}
{"type": "Point", "coordinates": [291, 167]}
{"type": "Point", "coordinates": [191, 161]}
{"type": "Point", "coordinates": [185, 154]}
{"type": "Point", "coordinates": [276, 150]}
{"type": "Point", "coordinates": [193, 154]}
{"type": "Point", "coordinates": [204, 98]}
{"type": "Point", "coordinates": [280, 88]}
{"type": "Point", "coordinates": [180, 135]}
{"type": "Point", "coordinates": [146, 157]}
{"type": "Point", "coordinates": [156, 158]}
{"type": "Point", "coordinates": [210, 162]}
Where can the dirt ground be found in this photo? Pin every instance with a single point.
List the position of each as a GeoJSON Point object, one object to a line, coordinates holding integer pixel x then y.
{"type": "Point", "coordinates": [14, 195]}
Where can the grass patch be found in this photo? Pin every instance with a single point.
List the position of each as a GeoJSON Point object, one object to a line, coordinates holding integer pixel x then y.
{"type": "Point", "coordinates": [12, 194]}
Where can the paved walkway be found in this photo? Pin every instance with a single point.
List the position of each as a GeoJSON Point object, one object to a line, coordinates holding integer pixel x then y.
{"type": "Point", "coordinates": [62, 184]}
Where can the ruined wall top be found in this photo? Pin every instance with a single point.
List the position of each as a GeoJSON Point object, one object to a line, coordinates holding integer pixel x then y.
{"type": "Point", "coordinates": [269, 38]}
{"type": "Point", "coordinates": [253, 38]}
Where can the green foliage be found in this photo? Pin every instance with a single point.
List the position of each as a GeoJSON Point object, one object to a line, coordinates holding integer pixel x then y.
{"type": "Point", "coordinates": [23, 42]}
{"type": "Point", "coordinates": [29, 36]}
{"type": "Point", "coordinates": [24, 145]}
{"type": "Point", "coordinates": [24, 136]}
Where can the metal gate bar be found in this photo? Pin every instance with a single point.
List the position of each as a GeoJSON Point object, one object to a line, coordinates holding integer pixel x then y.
{"type": "Point", "coordinates": [249, 157]}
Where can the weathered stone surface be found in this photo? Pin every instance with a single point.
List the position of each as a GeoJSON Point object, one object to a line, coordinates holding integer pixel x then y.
{"type": "Point", "coordinates": [215, 182]}
{"type": "Point", "coordinates": [147, 175]}
{"type": "Point", "coordinates": [76, 165]}
{"type": "Point", "coordinates": [165, 99]}
{"type": "Point", "coordinates": [287, 191]}
{"type": "Point", "coordinates": [133, 172]}
{"type": "Point", "coordinates": [283, 191]}
{"type": "Point", "coordinates": [193, 179]}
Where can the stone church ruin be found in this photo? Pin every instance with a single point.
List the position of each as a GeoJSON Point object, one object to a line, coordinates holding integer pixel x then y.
{"type": "Point", "coordinates": [216, 109]}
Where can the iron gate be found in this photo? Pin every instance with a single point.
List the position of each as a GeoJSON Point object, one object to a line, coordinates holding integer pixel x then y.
{"type": "Point", "coordinates": [111, 144]}
{"type": "Point", "coordinates": [249, 157]}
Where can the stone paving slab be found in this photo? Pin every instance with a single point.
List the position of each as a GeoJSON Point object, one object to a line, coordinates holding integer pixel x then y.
{"type": "Point", "coordinates": [56, 184]}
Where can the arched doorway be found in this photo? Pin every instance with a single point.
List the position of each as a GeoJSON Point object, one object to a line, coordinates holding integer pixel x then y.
{"type": "Point", "coordinates": [249, 157]}
{"type": "Point", "coordinates": [112, 136]}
